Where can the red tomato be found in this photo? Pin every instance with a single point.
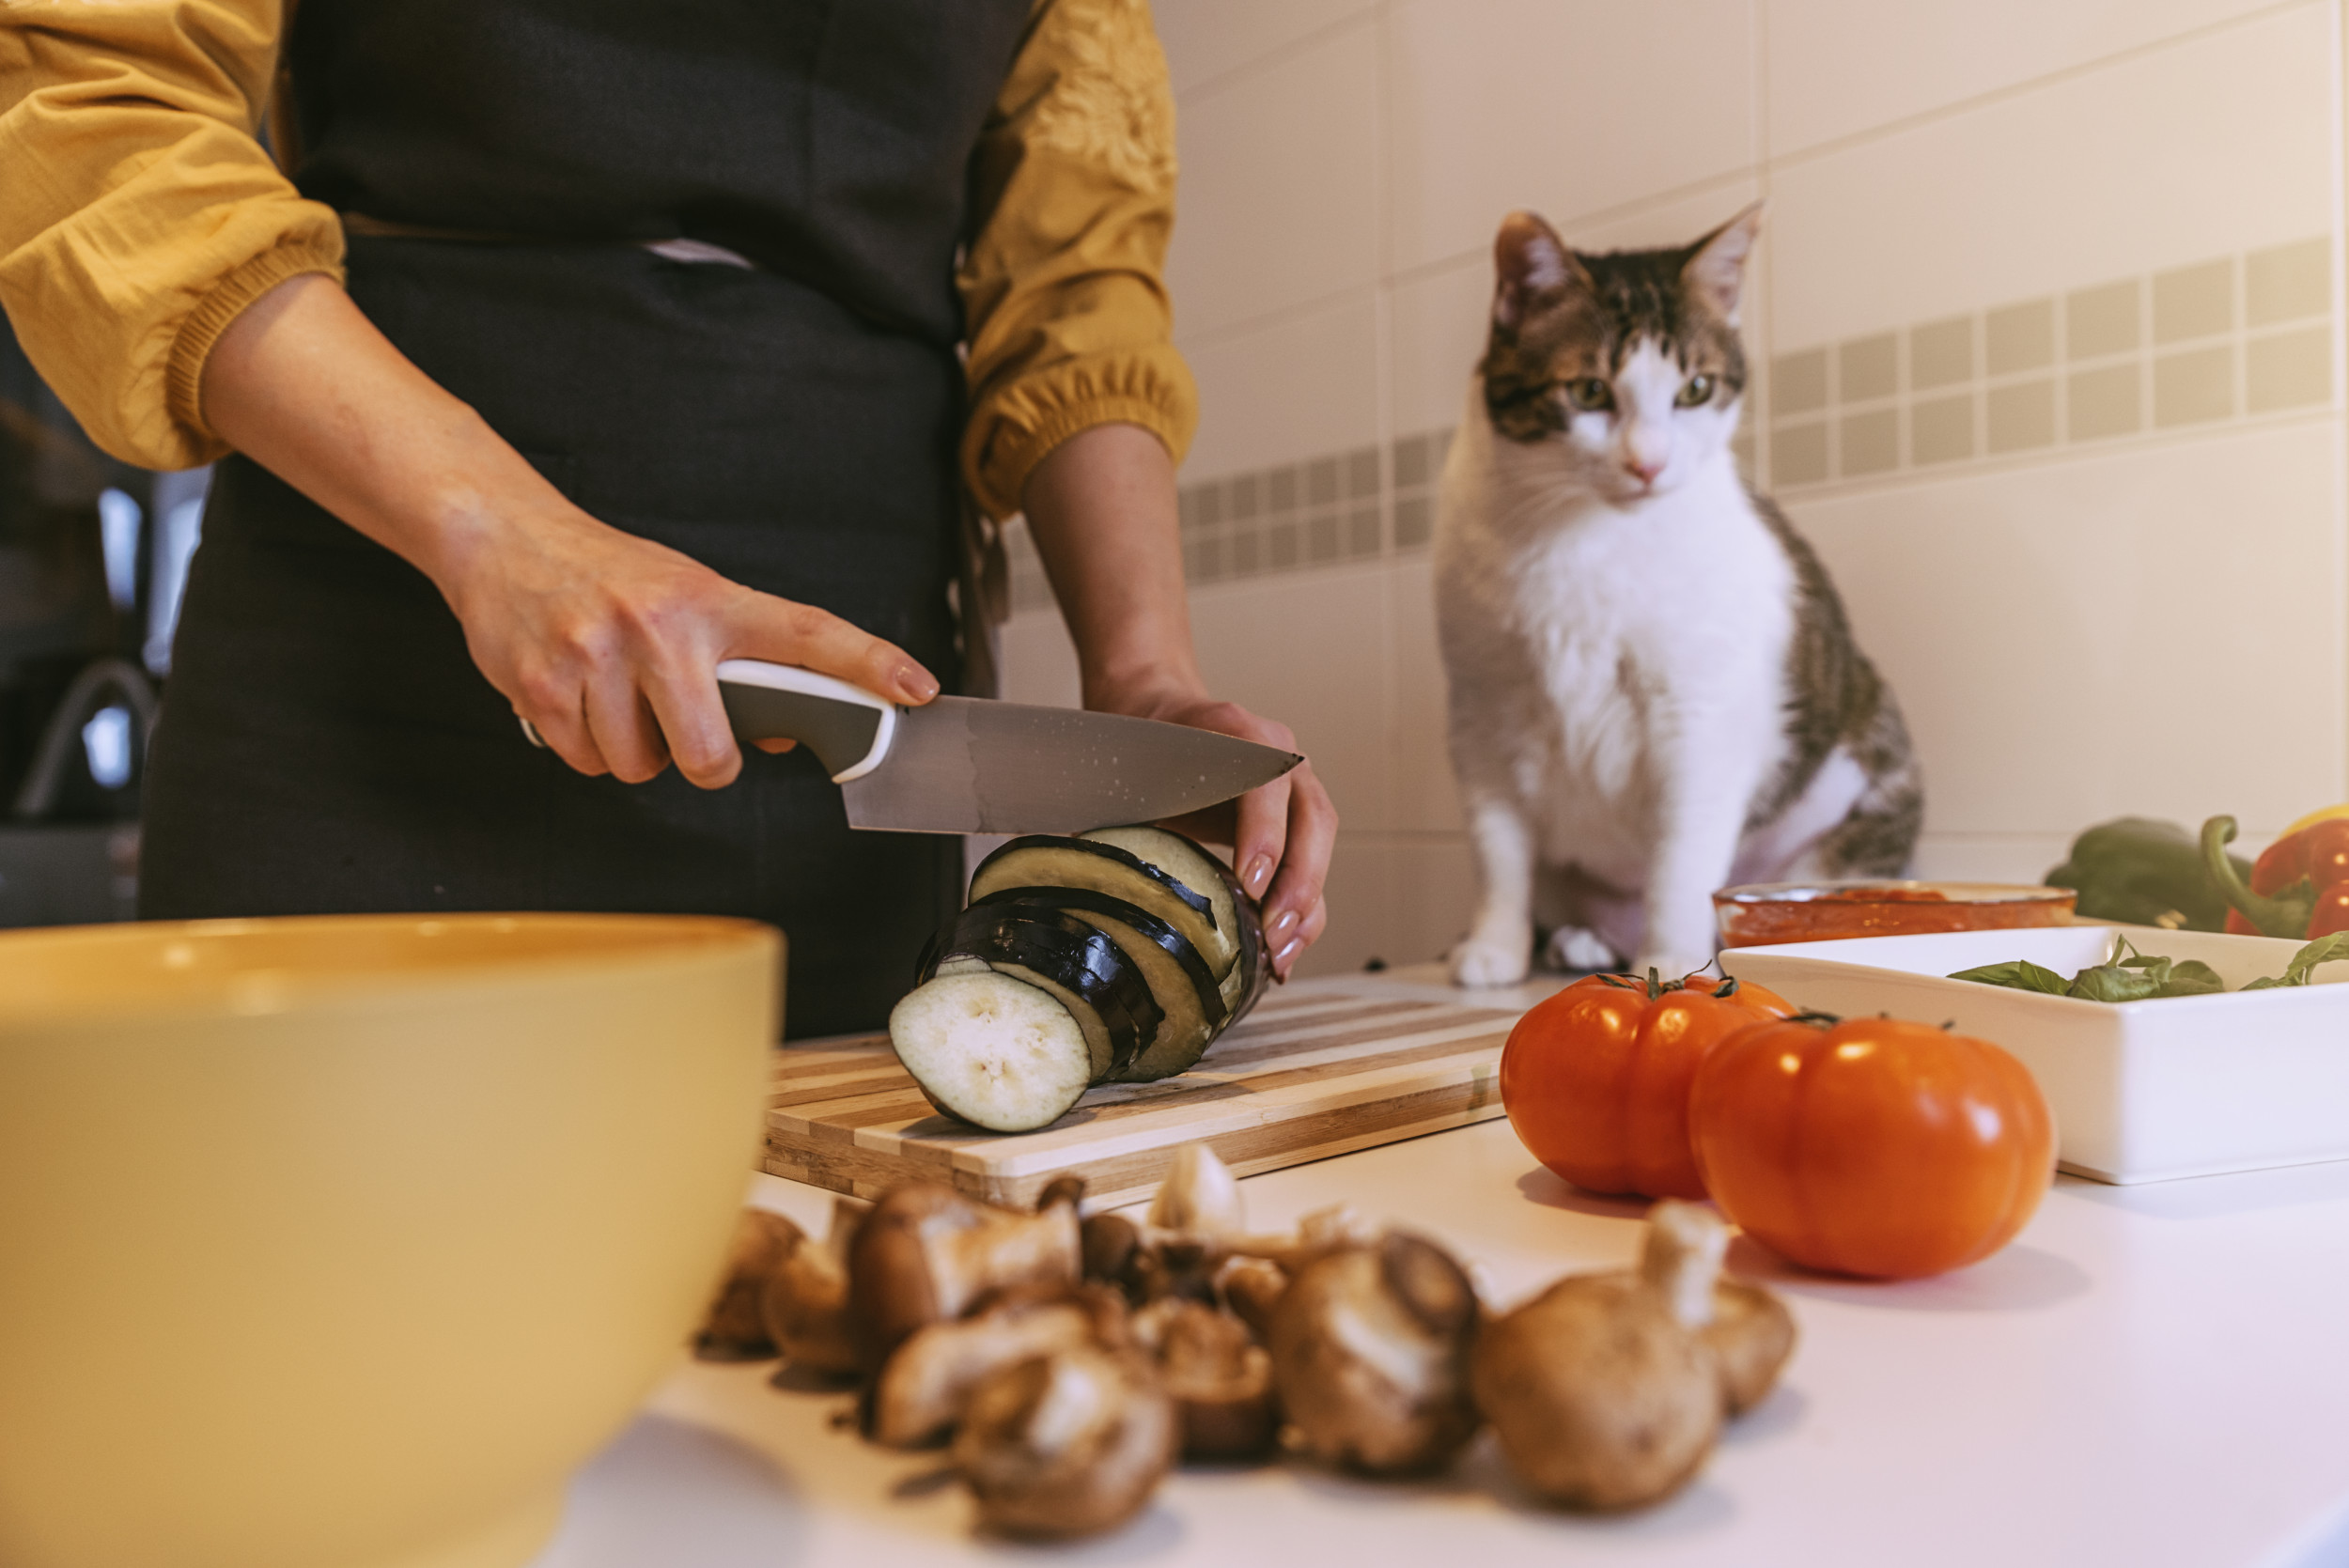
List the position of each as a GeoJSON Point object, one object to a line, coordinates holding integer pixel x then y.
{"type": "Point", "coordinates": [1872, 1147]}
{"type": "Point", "coordinates": [1595, 1079]}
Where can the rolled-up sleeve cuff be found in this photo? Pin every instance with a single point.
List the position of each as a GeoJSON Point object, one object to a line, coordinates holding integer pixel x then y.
{"type": "Point", "coordinates": [1016, 425]}
{"type": "Point", "coordinates": [192, 348]}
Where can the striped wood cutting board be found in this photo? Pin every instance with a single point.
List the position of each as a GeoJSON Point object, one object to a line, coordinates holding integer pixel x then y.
{"type": "Point", "coordinates": [1307, 1075]}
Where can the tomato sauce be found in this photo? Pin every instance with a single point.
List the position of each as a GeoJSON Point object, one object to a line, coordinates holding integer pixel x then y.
{"type": "Point", "coordinates": [1822, 911]}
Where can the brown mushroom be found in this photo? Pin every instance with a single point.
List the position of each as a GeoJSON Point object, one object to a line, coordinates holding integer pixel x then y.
{"type": "Point", "coordinates": [1200, 1196]}
{"type": "Point", "coordinates": [1251, 1288]}
{"type": "Point", "coordinates": [1370, 1349]}
{"type": "Point", "coordinates": [1066, 1444]}
{"type": "Point", "coordinates": [805, 1302]}
{"type": "Point", "coordinates": [1220, 1378]}
{"type": "Point", "coordinates": [1605, 1390]}
{"type": "Point", "coordinates": [734, 1330]}
{"type": "Point", "coordinates": [1752, 1334]}
{"type": "Point", "coordinates": [920, 1393]}
{"type": "Point", "coordinates": [927, 1253]}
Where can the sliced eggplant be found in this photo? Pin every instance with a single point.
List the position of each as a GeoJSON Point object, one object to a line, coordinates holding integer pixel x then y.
{"type": "Point", "coordinates": [1109, 868]}
{"type": "Point", "coordinates": [1077, 965]}
{"type": "Point", "coordinates": [991, 1050]}
{"type": "Point", "coordinates": [1235, 913]}
{"type": "Point", "coordinates": [1186, 988]}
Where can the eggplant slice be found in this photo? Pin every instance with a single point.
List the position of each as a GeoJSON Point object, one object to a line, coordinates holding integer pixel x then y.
{"type": "Point", "coordinates": [1185, 989]}
{"type": "Point", "coordinates": [991, 1050]}
{"type": "Point", "coordinates": [1235, 913]}
{"type": "Point", "coordinates": [1040, 861]}
{"type": "Point", "coordinates": [1081, 967]}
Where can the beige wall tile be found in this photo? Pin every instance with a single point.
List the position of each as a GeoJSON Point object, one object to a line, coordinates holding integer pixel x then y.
{"type": "Point", "coordinates": [1280, 203]}
{"type": "Point", "coordinates": [1840, 66]}
{"type": "Point", "coordinates": [2019, 337]}
{"type": "Point", "coordinates": [2287, 282]}
{"type": "Point", "coordinates": [2101, 404]}
{"type": "Point", "coordinates": [1553, 104]}
{"type": "Point", "coordinates": [1435, 886]}
{"type": "Point", "coordinates": [1424, 796]}
{"type": "Point", "coordinates": [1941, 430]}
{"type": "Point", "coordinates": [1205, 38]}
{"type": "Point", "coordinates": [1798, 383]}
{"type": "Point", "coordinates": [1868, 443]}
{"type": "Point", "coordinates": [2021, 417]}
{"type": "Point", "coordinates": [1363, 916]}
{"type": "Point", "coordinates": [1305, 386]}
{"type": "Point", "coordinates": [1039, 661]}
{"type": "Point", "coordinates": [1941, 354]}
{"type": "Point", "coordinates": [1439, 324]}
{"type": "Point", "coordinates": [1991, 582]}
{"type": "Point", "coordinates": [1309, 649]}
{"type": "Point", "coordinates": [1867, 367]}
{"type": "Point", "coordinates": [1798, 454]}
{"type": "Point", "coordinates": [2105, 319]}
{"type": "Point", "coordinates": [2194, 301]}
{"type": "Point", "coordinates": [2221, 143]}
{"type": "Point", "coordinates": [2290, 370]}
{"type": "Point", "coordinates": [2194, 388]}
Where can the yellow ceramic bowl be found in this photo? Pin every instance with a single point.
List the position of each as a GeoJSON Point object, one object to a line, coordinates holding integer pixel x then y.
{"type": "Point", "coordinates": [338, 1243]}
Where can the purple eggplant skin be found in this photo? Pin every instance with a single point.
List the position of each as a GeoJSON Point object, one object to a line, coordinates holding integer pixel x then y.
{"type": "Point", "coordinates": [1151, 926]}
{"type": "Point", "coordinates": [1064, 950]}
{"type": "Point", "coordinates": [1110, 851]}
{"type": "Point", "coordinates": [1256, 964]}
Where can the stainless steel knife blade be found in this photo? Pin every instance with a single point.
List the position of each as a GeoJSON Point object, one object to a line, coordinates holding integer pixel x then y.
{"type": "Point", "coordinates": [967, 765]}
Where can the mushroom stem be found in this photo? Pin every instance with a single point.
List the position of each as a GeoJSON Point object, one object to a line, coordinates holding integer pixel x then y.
{"type": "Point", "coordinates": [1681, 1258]}
{"type": "Point", "coordinates": [1200, 1196]}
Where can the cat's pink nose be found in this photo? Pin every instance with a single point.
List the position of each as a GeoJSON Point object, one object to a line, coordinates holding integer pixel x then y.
{"type": "Point", "coordinates": [1644, 468]}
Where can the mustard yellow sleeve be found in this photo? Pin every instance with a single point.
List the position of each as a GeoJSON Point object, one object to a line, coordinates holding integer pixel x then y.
{"type": "Point", "coordinates": [1074, 184]}
{"type": "Point", "coordinates": [141, 213]}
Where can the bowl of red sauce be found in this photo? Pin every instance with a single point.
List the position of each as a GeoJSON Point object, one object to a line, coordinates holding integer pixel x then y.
{"type": "Point", "coordinates": [1761, 914]}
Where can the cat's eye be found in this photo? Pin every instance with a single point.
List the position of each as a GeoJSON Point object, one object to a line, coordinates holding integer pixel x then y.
{"type": "Point", "coordinates": [1698, 390]}
{"type": "Point", "coordinates": [1588, 394]}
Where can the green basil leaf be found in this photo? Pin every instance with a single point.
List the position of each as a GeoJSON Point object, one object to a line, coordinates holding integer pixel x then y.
{"type": "Point", "coordinates": [2199, 973]}
{"type": "Point", "coordinates": [2190, 985]}
{"type": "Point", "coordinates": [2019, 975]}
{"type": "Point", "coordinates": [2111, 982]}
{"type": "Point", "coordinates": [2324, 950]}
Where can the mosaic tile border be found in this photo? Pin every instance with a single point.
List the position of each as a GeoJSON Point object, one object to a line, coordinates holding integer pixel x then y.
{"type": "Point", "coordinates": [2238, 337]}
{"type": "Point", "coordinates": [2232, 338]}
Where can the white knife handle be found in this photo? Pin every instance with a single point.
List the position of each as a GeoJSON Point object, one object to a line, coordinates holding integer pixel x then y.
{"type": "Point", "coordinates": [847, 727]}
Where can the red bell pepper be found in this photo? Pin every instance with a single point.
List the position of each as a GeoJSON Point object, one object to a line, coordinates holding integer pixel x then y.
{"type": "Point", "coordinates": [2299, 888]}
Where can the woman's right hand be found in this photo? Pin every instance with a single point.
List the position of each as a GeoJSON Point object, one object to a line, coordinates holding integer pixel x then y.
{"type": "Point", "coordinates": [607, 642]}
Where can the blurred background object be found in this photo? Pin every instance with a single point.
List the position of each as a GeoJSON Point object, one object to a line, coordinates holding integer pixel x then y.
{"type": "Point", "coordinates": [93, 554]}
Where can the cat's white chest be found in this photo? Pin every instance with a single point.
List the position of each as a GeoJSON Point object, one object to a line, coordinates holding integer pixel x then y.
{"type": "Point", "coordinates": [1656, 639]}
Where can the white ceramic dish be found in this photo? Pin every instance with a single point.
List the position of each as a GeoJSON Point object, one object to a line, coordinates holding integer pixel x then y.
{"type": "Point", "coordinates": [2142, 1090]}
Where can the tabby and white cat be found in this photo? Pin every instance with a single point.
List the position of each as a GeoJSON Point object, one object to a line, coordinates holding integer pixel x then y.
{"type": "Point", "coordinates": [1655, 692]}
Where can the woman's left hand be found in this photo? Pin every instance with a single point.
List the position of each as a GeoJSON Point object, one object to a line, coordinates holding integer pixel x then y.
{"type": "Point", "coordinates": [1281, 834]}
{"type": "Point", "coordinates": [1101, 509]}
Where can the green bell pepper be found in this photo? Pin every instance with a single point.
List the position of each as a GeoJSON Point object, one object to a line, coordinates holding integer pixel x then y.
{"type": "Point", "coordinates": [2144, 873]}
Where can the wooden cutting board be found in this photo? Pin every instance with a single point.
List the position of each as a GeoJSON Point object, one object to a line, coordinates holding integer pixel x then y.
{"type": "Point", "coordinates": [1305, 1076]}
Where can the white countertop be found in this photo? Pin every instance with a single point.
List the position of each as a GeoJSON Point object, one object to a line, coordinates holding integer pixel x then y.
{"type": "Point", "coordinates": [2149, 1376]}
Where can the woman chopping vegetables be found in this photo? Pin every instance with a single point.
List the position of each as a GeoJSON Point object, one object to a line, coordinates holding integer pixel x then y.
{"type": "Point", "coordinates": [584, 346]}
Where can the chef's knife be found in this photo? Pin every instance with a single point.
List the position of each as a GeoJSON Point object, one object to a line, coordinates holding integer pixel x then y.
{"type": "Point", "coordinates": [965, 765]}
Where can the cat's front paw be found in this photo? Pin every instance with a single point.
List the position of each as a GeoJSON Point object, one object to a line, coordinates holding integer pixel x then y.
{"type": "Point", "coordinates": [1573, 948]}
{"type": "Point", "coordinates": [1482, 961]}
{"type": "Point", "coordinates": [1672, 966]}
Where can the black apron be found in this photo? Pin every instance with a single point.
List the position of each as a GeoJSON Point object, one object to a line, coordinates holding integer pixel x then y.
{"type": "Point", "coordinates": [327, 743]}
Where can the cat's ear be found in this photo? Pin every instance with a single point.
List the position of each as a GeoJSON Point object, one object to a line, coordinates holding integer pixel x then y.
{"type": "Point", "coordinates": [1716, 268]}
{"type": "Point", "coordinates": [1532, 265]}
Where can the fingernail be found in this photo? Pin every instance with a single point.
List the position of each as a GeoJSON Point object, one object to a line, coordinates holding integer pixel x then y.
{"type": "Point", "coordinates": [916, 682]}
{"type": "Point", "coordinates": [1287, 955]}
{"type": "Point", "coordinates": [1259, 872]}
{"type": "Point", "coordinates": [1283, 924]}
